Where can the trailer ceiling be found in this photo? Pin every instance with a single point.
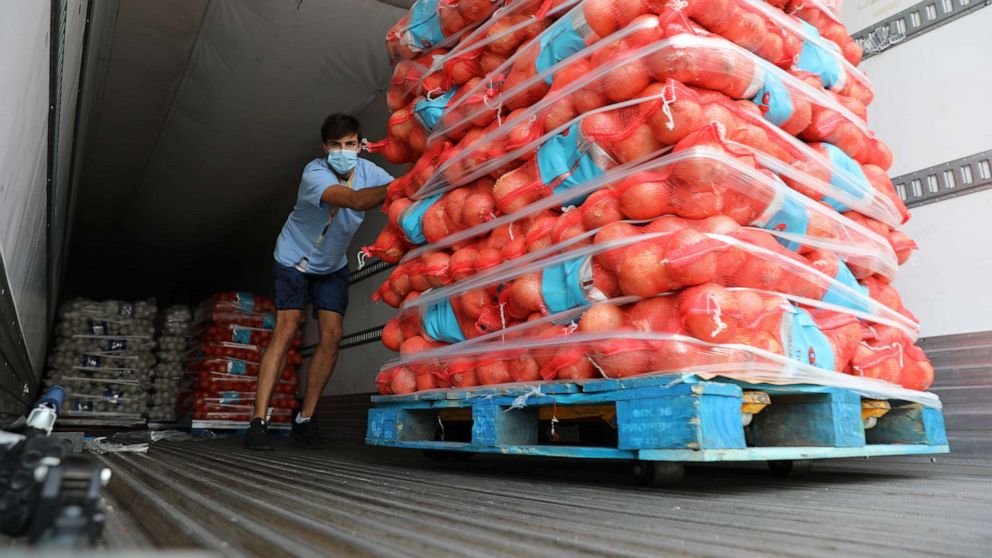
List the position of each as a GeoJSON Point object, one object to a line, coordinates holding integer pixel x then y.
{"type": "Point", "coordinates": [207, 112]}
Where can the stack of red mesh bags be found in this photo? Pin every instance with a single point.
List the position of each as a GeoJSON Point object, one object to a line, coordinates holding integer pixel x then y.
{"type": "Point", "coordinates": [230, 333]}
{"type": "Point", "coordinates": [610, 188]}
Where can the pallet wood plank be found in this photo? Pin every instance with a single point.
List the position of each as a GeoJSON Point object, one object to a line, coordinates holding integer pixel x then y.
{"type": "Point", "coordinates": [909, 424]}
{"type": "Point", "coordinates": [832, 419]}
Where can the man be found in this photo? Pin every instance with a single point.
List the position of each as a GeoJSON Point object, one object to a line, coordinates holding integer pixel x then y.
{"type": "Point", "coordinates": [311, 258]}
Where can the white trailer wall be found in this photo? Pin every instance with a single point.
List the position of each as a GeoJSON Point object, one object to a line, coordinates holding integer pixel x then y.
{"type": "Point", "coordinates": [931, 106]}
{"type": "Point", "coordinates": [24, 91]}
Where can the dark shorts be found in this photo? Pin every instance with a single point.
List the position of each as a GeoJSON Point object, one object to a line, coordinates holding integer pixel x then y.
{"type": "Point", "coordinates": [327, 292]}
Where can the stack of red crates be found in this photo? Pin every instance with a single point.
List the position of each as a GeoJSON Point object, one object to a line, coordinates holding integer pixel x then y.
{"type": "Point", "coordinates": [231, 332]}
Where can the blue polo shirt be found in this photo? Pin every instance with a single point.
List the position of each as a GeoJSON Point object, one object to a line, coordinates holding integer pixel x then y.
{"type": "Point", "coordinates": [304, 225]}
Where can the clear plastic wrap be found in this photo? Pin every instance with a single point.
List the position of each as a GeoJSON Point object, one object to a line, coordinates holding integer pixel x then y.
{"type": "Point", "coordinates": [697, 182]}
{"type": "Point", "coordinates": [823, 15]}
{"type": "Point", "coordinates": [667, 254]}
{"type": "Point", "coordinates": [435, 73]}
{"type": "Point", "coordinates": [619, 67]}
{"type": "Point", "coordinates": [108, 309]}
{"type": "Point", "coordinates": [683, 188]}
{"type": "Point", "coordinates": [433, 24]}
{"type": "Point", "coordinates": [745, 334]}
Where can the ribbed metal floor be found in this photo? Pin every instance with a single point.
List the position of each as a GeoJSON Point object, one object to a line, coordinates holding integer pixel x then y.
{"type": "Point", "coordinates": [357, 501]}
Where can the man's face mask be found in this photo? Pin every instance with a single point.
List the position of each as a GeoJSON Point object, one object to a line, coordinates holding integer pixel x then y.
{"type": "Point", "coordinates": [342, 161]}
{"type": "Point", "coordinates": [342, 155]}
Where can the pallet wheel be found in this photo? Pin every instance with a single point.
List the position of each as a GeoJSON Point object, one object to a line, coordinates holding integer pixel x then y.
{"type": "Point", "coordinates": [657, 473]}
{"type": "Point", "coordinates": [445, 455]}
{"type": "Point", "coordinates": [790, 467]}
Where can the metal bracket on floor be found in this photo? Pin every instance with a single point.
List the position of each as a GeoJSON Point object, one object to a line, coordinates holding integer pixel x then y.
{"type": "Point", "coordinates": [947, 180]}
{"type": "Point", "coordinates": [913, 22]}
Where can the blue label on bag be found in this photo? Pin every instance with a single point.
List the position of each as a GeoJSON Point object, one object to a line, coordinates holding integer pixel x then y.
{"type": "Point", "coordinates": [805, 342]}
{"type": "Point", "coordinates": [246, 301]}
{"type": "Point", "coordinates": [229, 396]}
{"type": "Point", "coordinates": [835, 295]}
{"type": "Point", "coordinates": [791, 218]}
{"type": "Point", "coordinates": [859, 189]}
{"type": "Point", "coordinates": [268, 321]}
{"type": "Point", "coordinates": [429, 111]}
{"type": "Point", "coordinates": [441, 324]}
{"type": "Point", "coordinates": [125, 309]}
{"type": "Point", "coordinates": [561, 286]}
{"type": "Point", "coordinates": [116, 345]}
{"type": "Point", "coordinates": [560, 41]}
{"type": "Point", "coordinates": [235, 366]}
{"type": "Point", "coordinates": [817, 60]}
{"type": "Point", "coordinates": [241, 335]}
{"type": "Point", "coordinates": [425, 25]}
{"type": "Point", "coordinates": [412, 220]}
{"type": "Point", "coordinates": [774, 100]}
{"type": "Point", "coordinates": [560, 156]}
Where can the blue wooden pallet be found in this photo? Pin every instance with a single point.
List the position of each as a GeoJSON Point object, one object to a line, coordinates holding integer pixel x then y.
{"type": "Point", "coordinates": [680, 418]}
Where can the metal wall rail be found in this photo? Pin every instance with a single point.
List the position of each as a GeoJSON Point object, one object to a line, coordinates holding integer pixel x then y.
{"type": "Point", "coordinates": [966, 175]}
{"type": "Point", "coordinates": [913, 22]}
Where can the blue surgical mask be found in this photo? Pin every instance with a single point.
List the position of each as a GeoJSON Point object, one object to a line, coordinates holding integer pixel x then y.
{"type": "Point", "coordinates": [342, 161]}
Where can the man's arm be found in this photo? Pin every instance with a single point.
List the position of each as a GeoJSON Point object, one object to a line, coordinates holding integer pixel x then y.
{"type": "Point", "coordinates": [359, 200]}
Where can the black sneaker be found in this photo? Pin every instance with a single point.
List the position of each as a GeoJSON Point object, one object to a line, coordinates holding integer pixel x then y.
{"type": "Point", "coordinates": [257, 437]}
{"type": "Point", "coordinates": [306, 434]}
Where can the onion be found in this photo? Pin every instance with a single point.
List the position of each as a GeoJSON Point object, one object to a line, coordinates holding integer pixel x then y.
{"type": "Point", "coordinates": [473, 302]}
{"type": "Point", "coordinates": [478, 209]}
{"type": "Point", "coordinates": [462, 263]}
{"type": "Point", "coordinates": [525, 296]}
{"type": "Point", "coordinates": [461, 372]}
{"type": "Point", "coordinates": [710, 313]}
{"type": "Point", "coordinates": [451, 20]}
{"type": "Point", "coordinates": [489, 62]}
{"type": "Point", "coordinates": [403, 381]}
{"type": "Point", "coordinates": [401, 124]}
{"type": "Point", "coordinates": [677, 356]}
{"type": "Point", "coordinates": [493, 370]}
{"type": "Point", "coordinates": [643, 271]}
{"type": "Point", "coordinates": [515, 190]}
{"type": "Point", "coordinates": [611, 259]}
{"type": "Point", "coordinates": [425, 379]}
{"type": "Point", "coordinates": [645, 196]}
{"type": "Point", "coordinates": [389, 246]}
{"type": "Point", "coordinates": [392, 335]}
{"type": "Point", "coordinates": [436, 269]}
{"type": "Point", "coordinates": [474, 10]}
{"type": "Point", "coordinates": [454, 204]}
{"type": "Point", "coordinates": [524, 369]}
{"type": "Point", "coordinates": [640, 144]}
{"type": "Point", "coordinates": [601, 317]}
{"type": "Point", "coordinates": [655, 314]}
{"type": "Point", "coordinates": [622, 358]}
{"type": "Point", "coordinates": [599, 15]}
{"type": "Point", "coordinates": [397, 153]}
{"type": "Point", "coordinates": [600, 209]}
{"type": "Point", "coordinates": [488, 257]}
{"type": "Point", "coordinates": [692, 259]}
{"type": "Point", "coordinates": [571, 363]}
{"type": "Point", "coordinates": [414, 345]}
{"type": "Point", "coordinates": [558, 114]}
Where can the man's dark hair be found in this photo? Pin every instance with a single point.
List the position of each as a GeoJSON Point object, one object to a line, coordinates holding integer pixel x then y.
{"type": "Point", "coordinates": [339, 125]}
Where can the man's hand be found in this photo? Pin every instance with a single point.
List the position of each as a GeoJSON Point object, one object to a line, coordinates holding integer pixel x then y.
{"type": "Point", "coordinates": [359, 200]}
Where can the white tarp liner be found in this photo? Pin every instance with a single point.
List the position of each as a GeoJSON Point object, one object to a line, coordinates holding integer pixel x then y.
{"type": "Point", "coordinates": [24, 67]}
